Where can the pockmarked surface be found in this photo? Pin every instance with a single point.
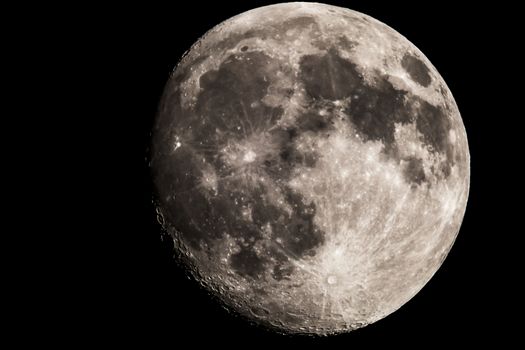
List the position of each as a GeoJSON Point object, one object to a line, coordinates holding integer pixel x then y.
{"type": "Point", "coordinates": [312, 166]}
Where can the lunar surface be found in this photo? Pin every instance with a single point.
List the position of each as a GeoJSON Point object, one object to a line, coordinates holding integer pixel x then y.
{"type": "Point", "coordinates": [311, 165]}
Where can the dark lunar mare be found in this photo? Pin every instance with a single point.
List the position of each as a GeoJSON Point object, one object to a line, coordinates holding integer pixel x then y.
{"type": "Point", "coordinates": [229, 108]}
{"type": "Point", "coordinates": [417, 70]}
{"type": "Point", "coordinates": [374, 109]}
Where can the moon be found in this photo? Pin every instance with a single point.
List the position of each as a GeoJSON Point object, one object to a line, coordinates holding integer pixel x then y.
{"type": "Point", "coordinates": [311, 166]}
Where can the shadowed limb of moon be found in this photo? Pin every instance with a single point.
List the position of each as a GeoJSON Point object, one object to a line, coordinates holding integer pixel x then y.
{"type": "Point", "coordinates": [311, 165]}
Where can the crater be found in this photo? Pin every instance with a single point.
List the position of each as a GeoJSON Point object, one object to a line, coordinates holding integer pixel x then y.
{"type": "Point", "coordinates": [331, 280]}
{"type": "Point", "coordinates": [417, 70]}
{"type": "Point", "coordinates": [249, 156]}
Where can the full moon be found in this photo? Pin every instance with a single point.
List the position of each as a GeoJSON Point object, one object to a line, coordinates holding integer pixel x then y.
{"type": "Point", "coordinates": [311, 166]}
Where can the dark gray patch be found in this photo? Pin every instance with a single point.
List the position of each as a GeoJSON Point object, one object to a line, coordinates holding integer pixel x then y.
{"type": "Point", "coordinates": [417, 70]}
{"type": "Point", "coordinates": [314, 122]}
{"type": "Point", "coordinates": [203, 219]}
{"type": "Point", "coordinates": [414, 172]}
{"type": "Point", "coordinates": [281, 271]}
{"type": "Point", "coordinates": [328, 76]}
{"type": "Point", "coordinates": [291, 156]}
{"type": "Point", "coordinates": [187, 214]}
{"type": "Point", "coordinates": [240, 77]}
{"type": "Point", "coordinates": [264, 212]}
{"type": "Point", "coordinates": [375, 108]}
{"type": "Point", "coordinates": [247, 263]}
{"type": "Point", "coordinates": [303, 22]}
{"type": "Point", "coordinates": [346, 44]}
{"type": "Point", "coordinates": [297, 230]}
{"type": "Point", "coordinates": [229, 102]}
{"type": "Point", "coordinates": [446, 168]}
{"type": "Point", "coordinates": [433, 123]}
{"type": "Point", "coordinates": [279, 165]}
